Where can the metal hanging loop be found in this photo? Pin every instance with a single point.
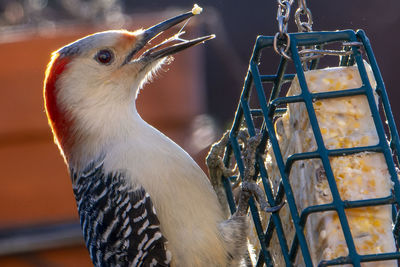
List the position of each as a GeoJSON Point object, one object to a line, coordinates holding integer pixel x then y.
{"type": "Point", "coordinates": [282, 45]}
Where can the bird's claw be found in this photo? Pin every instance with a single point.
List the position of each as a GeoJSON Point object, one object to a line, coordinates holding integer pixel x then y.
{"type": "Point", "coordinates": [253, 189]}
{"type": "Point", "coordinates": [275, 208]}
{"type": "Point", "coordinates": [249, 186]}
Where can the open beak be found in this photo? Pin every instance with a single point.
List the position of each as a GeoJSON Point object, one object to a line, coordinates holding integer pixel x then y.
{"type": "Point", "coordinates": [152, 32]}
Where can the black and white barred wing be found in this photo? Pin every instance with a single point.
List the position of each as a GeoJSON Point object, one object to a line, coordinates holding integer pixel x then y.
{"type": "Point", "coordinates": [119, 222]}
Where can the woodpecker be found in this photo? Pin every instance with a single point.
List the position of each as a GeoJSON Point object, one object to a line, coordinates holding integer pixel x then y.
{"type": "Point", "coordinates": [142, 200]}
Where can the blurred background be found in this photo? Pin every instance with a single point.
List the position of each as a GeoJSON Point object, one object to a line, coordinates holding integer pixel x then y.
{"type": "Point", "coordinates": [193, 103]}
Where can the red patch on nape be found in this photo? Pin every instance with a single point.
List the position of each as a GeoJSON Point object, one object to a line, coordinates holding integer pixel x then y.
{"type": "Point", "coordinates": [127, 40]}
{"type": "Point", "coordinates": [129, 35]}
{"type": "Point", "coordinates": [58, 120]}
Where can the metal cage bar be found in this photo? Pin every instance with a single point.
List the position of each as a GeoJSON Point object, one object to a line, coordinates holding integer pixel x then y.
{"type": "Point", "coordinates": [270, 107]}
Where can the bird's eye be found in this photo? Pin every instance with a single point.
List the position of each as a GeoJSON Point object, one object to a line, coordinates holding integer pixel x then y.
{"type": "Point", "coordinates": [104, 56]}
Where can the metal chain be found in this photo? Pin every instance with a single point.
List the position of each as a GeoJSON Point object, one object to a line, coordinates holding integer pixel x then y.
{"type": "Point", "coordinates": [303, 26]}
{"type": "Point", "coordinates": [282, 39]}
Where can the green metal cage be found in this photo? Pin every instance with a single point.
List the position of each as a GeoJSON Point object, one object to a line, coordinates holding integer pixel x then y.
{"type": "Point", "coordinates": [269, 103]}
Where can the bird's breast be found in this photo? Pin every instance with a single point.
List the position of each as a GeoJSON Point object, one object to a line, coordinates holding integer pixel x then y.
{"type": "Point", "coordinates": [185, 202]}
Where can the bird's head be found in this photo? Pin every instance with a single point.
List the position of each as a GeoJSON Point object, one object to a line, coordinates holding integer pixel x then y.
{"type": "Point", "coordinates": [94, 78]}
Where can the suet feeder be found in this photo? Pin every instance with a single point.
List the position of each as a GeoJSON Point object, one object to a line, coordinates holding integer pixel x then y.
{"type": "Point", "coordinates": [264, 99]}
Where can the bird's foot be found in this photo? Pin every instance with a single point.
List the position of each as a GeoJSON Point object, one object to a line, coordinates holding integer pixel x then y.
{"type": "Point", "coordinates": [214, 160]}
{"type": "Point", "coordinates": [217, 170]}
{"type": "Point", "coordinates": [249, 187]}
{"type": "Point", "coordinates": [254, 190]}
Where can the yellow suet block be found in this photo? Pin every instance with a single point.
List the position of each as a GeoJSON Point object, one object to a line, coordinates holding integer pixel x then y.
{"type": "Point", "coordinates": [344, 123]}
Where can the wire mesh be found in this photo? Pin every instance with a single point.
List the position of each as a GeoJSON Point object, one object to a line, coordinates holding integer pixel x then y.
{"type": "Point", "coordinates": [270, 105]}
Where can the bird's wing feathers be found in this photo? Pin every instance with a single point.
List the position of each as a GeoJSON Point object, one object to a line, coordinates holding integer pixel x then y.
{"type": "Point", "coordinates": [119, 222]}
